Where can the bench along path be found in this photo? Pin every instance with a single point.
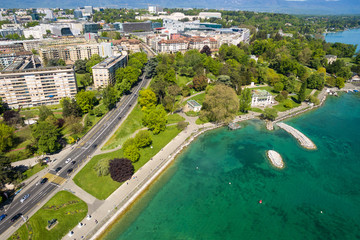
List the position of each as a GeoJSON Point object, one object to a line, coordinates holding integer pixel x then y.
{"type": "Point", "coordinates": [303, 140]}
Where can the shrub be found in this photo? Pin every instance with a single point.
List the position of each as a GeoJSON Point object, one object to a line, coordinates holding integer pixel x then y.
{"type": "Point", "coordinates": [314, 100]}
{"type": "Point", "coordinates": [143, 139]}
{"type": "Point", "coordinates": [121, 169]}
{"type": "Point", "coordinates": [132, 152]}
{"type": "Point", "coordinates": [102, 167]}
{"type": "Point", "coordinates": [288, 103]}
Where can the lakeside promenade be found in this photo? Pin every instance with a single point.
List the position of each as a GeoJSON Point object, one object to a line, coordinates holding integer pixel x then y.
{"type": "Point", "coordinates": [118, 202]}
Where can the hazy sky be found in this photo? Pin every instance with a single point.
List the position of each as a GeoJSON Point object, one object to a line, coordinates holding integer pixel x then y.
{"type": "Point", "coordinates": [290, 6]}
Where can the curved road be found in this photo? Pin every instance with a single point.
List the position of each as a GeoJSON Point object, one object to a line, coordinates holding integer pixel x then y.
{"type": "Point", "coordinates": [79, 154]}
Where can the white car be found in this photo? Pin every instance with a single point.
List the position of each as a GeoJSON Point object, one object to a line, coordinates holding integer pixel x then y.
{"type": "Point", "coordinates": [68, 160]}
{"type": "Point", "coordinates": [26, 196]}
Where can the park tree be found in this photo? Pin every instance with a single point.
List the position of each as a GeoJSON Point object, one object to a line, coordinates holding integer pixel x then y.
{"type": "Point", "coordinates": [2, 106]}
{"type": "Point", "coordinates": [302, 92]}
{"type": "Point", "coordinates": [170, 75]}
{"type": "Point", "coordinates": [245, 100]}
{"type": "Point", "coordinates": [6, 136]}
{"type": "Point", "coordinates": [80, 66]}
{"type": "Point", "coordinates": [95, 59]}
{"type": "Point", "coordinates": [316, 81]}
{"type": "Point", "coordinates": [200, 82]}
{"type": "Point", "coordinates": [173, 90]}
{"type": "Point", "coordinates": [121, 169]}
{"type": "Point", "coordinates": [132, 152]}
{"type": "Point", "coordinates": [143, 139]}
{"type": "Point", "coordinates": [340, 82]}
{"type": "Point", "coordinates": [102, 167]}
{"type": "Point", "coordinates": [46, 136]}
{"type": "Point", "coordinates": [206, 49]}
{"type": "Point", "coordinates": [86, 100]}
{"type": "Point", "coordinates": [169, 103]}
{"type": "Point", "coordinates": [159, 88]}
{"type": "Point", "coordinates": [125, 78]}
{"type": "Point", "coordinates": [220, 104]}
{"type": "Point", "coordinates": [147, 99]}
{"type": "Point", "coordinates": [44, 113]}
{"type": "Point", "coordinates": [224, 79]}
{"type": "Point", "coordinates": [155, 119]}
{"type": "Point", "coordinates": [12, 117]}
{"type": "Point", "coordinates": [8, 174]}
{"type": "Point", "coordinates": [150, 68]}
{"type": "Point", "coordinates": [278, 87]}
{"type": "Point", "coordinates": [70, 107]}
{"type": "Point", "coordinates": [270, 113]}
{"type": "Point", "coordinates": [86, 80]}
{"type": "Point", "coordinates": [110, 97]}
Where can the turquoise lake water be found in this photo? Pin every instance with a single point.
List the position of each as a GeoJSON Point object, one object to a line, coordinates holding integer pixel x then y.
{"type": "Point", "coordinates": [316, 195]}
{"type": "Point", "coordinates": [351, 36]}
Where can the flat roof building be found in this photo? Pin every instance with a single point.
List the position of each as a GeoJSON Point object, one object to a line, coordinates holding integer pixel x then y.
{"type": "Point", "coordinates": [104, 72]}
{"type": "Point", "coordinates": [29, 87]}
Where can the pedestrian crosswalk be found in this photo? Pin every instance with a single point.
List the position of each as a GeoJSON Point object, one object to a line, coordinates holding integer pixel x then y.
{"type": "Point", "coordinates": [54, 179]}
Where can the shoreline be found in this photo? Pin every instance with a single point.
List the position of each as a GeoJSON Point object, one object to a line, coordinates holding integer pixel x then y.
{"type": "Point", "coordinates": [138, 192]}
{"type": "Point", "coordinates": [147, 183]}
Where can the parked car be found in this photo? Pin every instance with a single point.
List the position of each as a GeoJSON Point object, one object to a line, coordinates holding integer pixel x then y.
{"type": "Point", "coordinates": [69, 170]}
{"type": "Point", "coordinates": [2, 217]}
{"type": "Point", "coordinates": [26, 196]}
{"type": "Point", "coordinates": [44, 180]}
{"type": "Point", "coordinates": [58, 169]}
{"type": "Point", "coordinates": [16, 217]}
{"type": "Point", "coordinates": [68, 160]}
{"type": "Point", "coordinates": [73, 162]}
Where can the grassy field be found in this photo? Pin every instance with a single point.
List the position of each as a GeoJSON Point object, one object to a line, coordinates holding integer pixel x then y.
{"type": "Point", "coordinates": [22, 139]}
{"type": "Point", "coordinates": [199, 98]}
{"type": "Point", "coordinates": [182, 80]}
{"type": "Point", "coordinates": [79, 77]}
{"type": "Point", "coordinates": [281, 106]}
{"type": "Point", "coordinates": [174, 118]}
{"type": "Point", "coordinates": [68, 209]}
{"type": "Point", "coordinates": [256, 110]}
{"type": "Point", "coordinates": [33, 170]}
{"type": "Point", "coordinates": [128, 127]}
{"type": "Point", "coordinates": [102, 187]}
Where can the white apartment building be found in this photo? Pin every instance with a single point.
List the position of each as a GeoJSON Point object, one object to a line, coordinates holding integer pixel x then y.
{"type": "Point", "coordinates": [261, 98]}
{"type": "Point", "coordinates": [104, 72]}
{"type": "Point", "coordinates": [69, 51]}
{"type": "Point", "coordinates": [35, 87]}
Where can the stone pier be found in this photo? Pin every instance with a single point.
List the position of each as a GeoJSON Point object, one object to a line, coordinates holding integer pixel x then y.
{"type": "Point", "coordinates": [302, 139]}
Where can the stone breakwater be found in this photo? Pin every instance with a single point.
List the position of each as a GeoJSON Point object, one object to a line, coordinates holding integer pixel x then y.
{"type": "Point", "coordinates": [302, 139]}
{"type": "Point", "coordinates": [275, 159]}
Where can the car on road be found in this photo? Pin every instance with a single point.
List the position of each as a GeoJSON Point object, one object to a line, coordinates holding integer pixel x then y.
{"type": "Point", "coordinates": [68, 160]}
{"type": "Point", "coordinates": [69, 170]}
{"type": "Point", "coordinates": [2, 217]}
{"type": "Point", "coordinates": [26, 196]}
{"type": "Point", "coordinates": [44, 180]}
{"type": "Point", "coordinates": [73, 162]}
{"type": "Point", "coordinates": [16, 217]}
{"type": "Point", "coordinates": [58, 169]}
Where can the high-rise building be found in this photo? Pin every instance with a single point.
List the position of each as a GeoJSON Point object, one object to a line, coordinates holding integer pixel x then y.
{"type": "Point", "coordinates": [104, 72]}
{"type": "Point", "coordinates": [78, 13]}
{"type": "Point", "coordinates": [91, 27]}
{"type": "Point", "coordinates": [28, 87]}
{"type": "Point", "coordinates": [88, 10]}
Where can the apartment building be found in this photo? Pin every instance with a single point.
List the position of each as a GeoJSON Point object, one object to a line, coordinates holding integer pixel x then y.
{"type": "Point", "coordinates": [21, 86]}
{"type": "Point", "coordinates": [182, 44]}
{"type": "Point", "coordinates": [104, 72]}
{"type": "Point", "coordinates": [69, 51]}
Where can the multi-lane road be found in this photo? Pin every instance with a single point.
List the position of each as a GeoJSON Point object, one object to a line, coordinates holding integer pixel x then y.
{"type": "Point", "coordinates": [78, 155]}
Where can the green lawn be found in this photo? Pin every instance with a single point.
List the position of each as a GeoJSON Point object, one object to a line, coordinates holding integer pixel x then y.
{"type": "Point", "coordinates": [281, 108]}
{"type": "Point", "coordinates": [33, 170]}
{"type": "Point", "coordinates": [182, 80]}
{"type": "Point", "coordinates": [22, 139]}
{"type": "Point", "coordinates": [256, 110]}
{"type": "Point", "coordinates": [68, 209]}
{"type": "Point", "coordinates": [199, 121]}
{"type": "Point", "coordinates": [102, 187]}
{"type": "Point", "coordinates": [132, 123]}
{"type": "Point", "coordinates": [174, 118]}
{"type": "Point", "coordinates": [79, 77]}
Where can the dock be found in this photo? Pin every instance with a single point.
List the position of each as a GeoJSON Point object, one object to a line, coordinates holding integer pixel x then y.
{"type": "Point", "coordinates": [275, 159]}
{"type": "Point", "coordinates": [302, 139]}
{"type": "Point", "coordinates": [269, 125]}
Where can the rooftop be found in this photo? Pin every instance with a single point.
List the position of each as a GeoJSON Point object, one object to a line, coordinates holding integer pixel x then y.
{"type": "Point", "coordinates": [194, 103]}
{"type": "Point", "coordinates": [260, 93]}
{"type": "Point", "coordinates": [108, 62]}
